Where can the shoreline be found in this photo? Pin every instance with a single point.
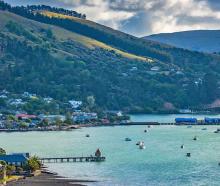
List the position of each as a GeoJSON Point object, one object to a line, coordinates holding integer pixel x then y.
{"type": "Point", "coordinates": [47, 178]}
{"type": "Point", "coordinates": [108, 125]}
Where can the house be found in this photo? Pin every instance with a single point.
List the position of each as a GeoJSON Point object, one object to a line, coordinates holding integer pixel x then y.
{"type": "Point", "coordinates": [75, 104]}
{"type": "Point", "coordinates": [185, 111]}
{"type": "Point", "coordinates": [52, 118]}
{"type": "Point", "coordinates": [114, 113]}
{"type": "Point", "coordinates": [29, 95]}
{"type": "Point", "coordinates": [2, 125]}
{"type": "Point", "coordinates": [25, 116]}
{"type": "Point", "coordinates": [3, 96]}
{"type": "Point", "coordinates": [16, 102]}
{"type": "Point", "coordinates": [133, 69]}
{"type": "Point", "coordinates": [155, 68]}
{"type": "Point", "coordinates": [48, 99]}
{"type": "Point", "coordinates": [83, 116]}
{"type": "Point", "coordinates": [18, 159]}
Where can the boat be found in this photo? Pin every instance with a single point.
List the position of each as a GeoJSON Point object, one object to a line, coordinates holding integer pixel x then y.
{"type": "Point", "coordinates": [217, 131]}
{"type": "Point", "coordinates": [149, 126]}
{"type": "Point", "coordinates": [145, 130]}
{"type": "Point", "coordinates": [204, 128]}
{"type": "Point", "coordinates": [195, 138]}
{"type": "Point", "coordinates": [188, 154]}
{"type": "Point", "coordinates": [141, 145]}
{"type": "Point", "coordinates": [182, 146]}
{"type": "Point", "coordinates": [138, 143]}
{"type": "Point", "coordinates": [127, 139]}
{"type": "Point", "coordinates": [87, 135]}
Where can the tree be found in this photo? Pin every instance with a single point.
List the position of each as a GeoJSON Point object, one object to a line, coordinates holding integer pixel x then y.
{"type": "Point", "coordinates": [2, 151]}
{"type": "Point", "coordinates": [10, 169]}
{"type": "Point", "coordinates": [58, 122]}
{"type": "Point", "coordinates": [90, 101]}
{"type": "Point", "coordinates": [69, 120]}
{"type": "Point", "coordinates": [33, 164]}
{"type": "Point", "coordinates": [49, 33]}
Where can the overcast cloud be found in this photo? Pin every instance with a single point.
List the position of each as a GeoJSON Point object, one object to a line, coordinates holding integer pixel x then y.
{"type": "Point", "coordinates": [144, 17]}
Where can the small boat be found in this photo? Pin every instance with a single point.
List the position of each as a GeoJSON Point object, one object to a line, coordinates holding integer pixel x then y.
{"type": "Point", "coordinates": [195, 138]}
{"type": "Point", "coordinates": [141, 145]}
{"type": "Point", "coordinates": [189, 126]}
{"type": "Point", "coordinates": [188, 154]}
{"type": "Point", "coordinates": [145, 130]}
{"type": "Point", "coordinates": [204, 128]}
{"type": "Point", "coordinates": [87, 135]}
{"type": "Point", "coordinates": [182, 146]}
{"type": "Point", "coordinates": [127, 139]}
{"type": "Point", "coordinates": [217, 131]}
{"type": "Point", "coordinates": [138, 143]}
{"type": "Point", "coordinates": [149, 126]}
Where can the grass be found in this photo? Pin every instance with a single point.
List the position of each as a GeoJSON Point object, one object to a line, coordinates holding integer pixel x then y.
{"type": "Point", "coordinates": [91, 43]}
{"type": "Point", "coordinates": [62, 34]}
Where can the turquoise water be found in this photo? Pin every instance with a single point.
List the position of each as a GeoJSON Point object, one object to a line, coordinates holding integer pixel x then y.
{"type": "Point", "coordinates": [167, 118]}
{"type": "Point", "coordinates": [163, 162]}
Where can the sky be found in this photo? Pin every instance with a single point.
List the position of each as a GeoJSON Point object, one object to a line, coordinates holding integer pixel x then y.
{"type": "Point", "coordinates": [143, 17]}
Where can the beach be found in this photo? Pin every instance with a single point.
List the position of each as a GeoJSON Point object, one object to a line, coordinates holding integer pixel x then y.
{"type": "Point", "coordinates": [48, 180]}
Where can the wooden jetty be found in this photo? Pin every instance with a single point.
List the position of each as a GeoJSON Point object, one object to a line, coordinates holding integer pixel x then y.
{"type": "Point", "coordinates": [72, 159]}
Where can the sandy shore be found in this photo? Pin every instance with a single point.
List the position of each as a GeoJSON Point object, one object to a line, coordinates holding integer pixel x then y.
{"type": "Point", "coordinates": [48, 180]}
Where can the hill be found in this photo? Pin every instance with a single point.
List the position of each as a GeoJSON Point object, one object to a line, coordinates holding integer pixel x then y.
{"type": "Point", "coordinates": [196, 40]}
{"type": "Point", "coordinates": [66, 57]}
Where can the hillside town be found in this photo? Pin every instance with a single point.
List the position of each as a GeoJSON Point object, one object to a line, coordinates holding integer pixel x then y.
{"type": "Point", "coordinates": [28, 111]}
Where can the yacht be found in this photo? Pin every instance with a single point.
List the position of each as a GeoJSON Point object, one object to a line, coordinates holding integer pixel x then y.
{"type": "Point", "coordinates": [141, 145]}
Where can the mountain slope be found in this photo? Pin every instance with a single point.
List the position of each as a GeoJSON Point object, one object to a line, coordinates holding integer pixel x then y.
{"type": "Point", "coordinates": [197, 40]}
{"type": "Point", "coordinates": [67, 60]}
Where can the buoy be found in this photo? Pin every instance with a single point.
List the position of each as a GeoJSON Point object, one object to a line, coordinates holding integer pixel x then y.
{"type": "Point", "coordinates": [195, 138]}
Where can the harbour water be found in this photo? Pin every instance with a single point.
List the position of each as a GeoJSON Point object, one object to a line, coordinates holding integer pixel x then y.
{"type": "Point", "coordinates": [163, 162]}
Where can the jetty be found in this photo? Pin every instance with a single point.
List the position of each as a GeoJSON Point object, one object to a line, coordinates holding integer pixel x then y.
{"type": "Point", "coordinates": [72, 159]}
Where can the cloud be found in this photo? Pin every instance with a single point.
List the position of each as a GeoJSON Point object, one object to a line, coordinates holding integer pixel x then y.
{"type": "Point", "coordinates": [143, 17]}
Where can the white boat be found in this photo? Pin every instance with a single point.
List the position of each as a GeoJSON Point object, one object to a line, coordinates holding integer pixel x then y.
{"type": "Point", "coordinates": [141, 145]}
{"type": "Point", "coordinates": [217, 131]}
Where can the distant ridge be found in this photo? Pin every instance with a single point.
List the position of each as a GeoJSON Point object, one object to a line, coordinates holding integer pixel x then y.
{"type": "Point", "coordinates": [197, 40]}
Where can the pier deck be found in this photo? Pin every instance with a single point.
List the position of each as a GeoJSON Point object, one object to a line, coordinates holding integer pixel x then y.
{"type": "Point", "coordinates": [72, 159]}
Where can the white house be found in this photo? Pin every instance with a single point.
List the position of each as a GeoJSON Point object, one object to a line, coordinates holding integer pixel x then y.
{"type": "Point", "coordinates": [16, 102]}
{"type": "Point", "coordinates": [75, 104]}
{"type": "Point", "coordinates": [155, 68]}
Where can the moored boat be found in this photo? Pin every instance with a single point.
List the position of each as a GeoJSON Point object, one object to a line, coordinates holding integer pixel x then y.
{"type": "Point", "coordinates": [127, 139]}
{"type": "Point", "coordinates": [141, 145]}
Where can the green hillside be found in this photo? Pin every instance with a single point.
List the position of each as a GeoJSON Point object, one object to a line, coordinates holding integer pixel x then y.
{"type": "Point", "coordinates": [83, 59]}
